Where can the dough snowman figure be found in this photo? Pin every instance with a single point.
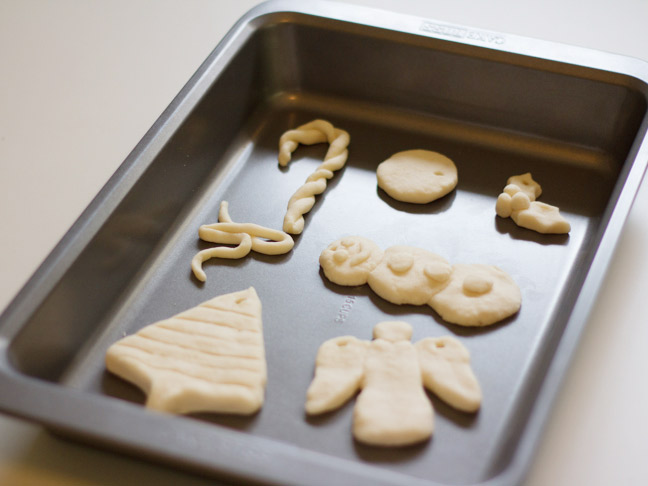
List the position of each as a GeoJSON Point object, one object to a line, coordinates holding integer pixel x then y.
{"type": "Point", "coordinates": [392, 408]}
{"type": "Point", "coordinates": [463, 294]}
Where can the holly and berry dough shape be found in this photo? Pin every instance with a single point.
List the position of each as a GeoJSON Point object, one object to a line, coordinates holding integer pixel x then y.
{"type": "Point", "coordinates": [464, 294]}
{"type": "Point", "coordinates": [209, 358]}
{"type": "Point", "coordinates": [518, 201]}
{"type": "Point", "coordinates": [391, 373]}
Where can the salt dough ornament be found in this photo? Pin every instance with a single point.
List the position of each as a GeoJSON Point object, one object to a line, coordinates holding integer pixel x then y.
{"type": "Point", "coordinates": [467, 295]}
{"type": "Point", "coordinates": [349, 260]}
{"type": "Point", "coordinates": [409, 275]}
{"type": "Point", "coordinates": [209, 358]}
{"type": "Point", "coordinates": [392, 408]}
{"type": "Point", "coordinates": [477, 295]}
{"type": "Point", "coordinates": [316, 131]}
{"type": "Point", "coordinates": [246, 236]}
{"type": "Point", "coordinates": [417, 176]}
{"type": "Point", "coordinates": [518, 201]}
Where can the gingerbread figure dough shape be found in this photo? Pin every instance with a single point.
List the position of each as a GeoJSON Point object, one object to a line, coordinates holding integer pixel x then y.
{"type": "Point", "coordinates": [392, 408]}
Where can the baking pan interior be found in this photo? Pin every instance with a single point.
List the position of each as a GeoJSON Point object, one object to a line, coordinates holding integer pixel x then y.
{"type": "Point", "coordinates": [494, 113]}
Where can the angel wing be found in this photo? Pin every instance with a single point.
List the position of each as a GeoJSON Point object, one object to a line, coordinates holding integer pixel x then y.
{"type": "Point", "coordinates": [338, 373]}
{"type": "Point", "coordinates": [446, 372]}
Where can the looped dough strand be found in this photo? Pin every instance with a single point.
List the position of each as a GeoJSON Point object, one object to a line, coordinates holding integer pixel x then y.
{"type": "Point", "coordinates": [316, 131]}
{"type": "Point", "coordinates": [247, 237]}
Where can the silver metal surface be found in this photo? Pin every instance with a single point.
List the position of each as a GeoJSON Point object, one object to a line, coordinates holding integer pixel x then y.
{"type": "Point", "coordinates": [497, 105]}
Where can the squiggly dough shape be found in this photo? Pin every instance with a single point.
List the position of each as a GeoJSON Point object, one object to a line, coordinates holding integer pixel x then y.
{"type": "Point", "coordinates": [247, 237]}
{"type": "Point", "coordinates": [316, 131]}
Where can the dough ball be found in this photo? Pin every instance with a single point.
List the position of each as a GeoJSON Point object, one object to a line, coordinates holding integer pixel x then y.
{"type": "Point", "coordinates": [408, 275]}
{"type": "Point", "coordinates": [417, 176]}
{"type": "Point", "coordinates": [503, 206]}
{"type": "Point", "coordinates": [349, 260]}
{"type": "Point", "coordinates": [477, 295]}
{"type": "Point", "coordinates": [520, 201]}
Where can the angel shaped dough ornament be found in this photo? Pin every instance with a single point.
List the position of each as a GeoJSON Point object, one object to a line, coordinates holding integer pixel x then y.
{"type": "Point", "coordinates": [392, 408]}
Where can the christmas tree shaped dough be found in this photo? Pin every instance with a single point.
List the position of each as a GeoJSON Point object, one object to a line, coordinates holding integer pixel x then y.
{"type": "Point", "coordinates": [209, 358]}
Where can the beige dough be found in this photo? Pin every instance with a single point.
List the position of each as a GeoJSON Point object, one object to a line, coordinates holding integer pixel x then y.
{"type": "Point", "coordinates": [526, 184]}
{"type": "Point", "coordinates": [338, 373]}
{"type": "Point", "coordinates": [542, 218]}
{"type": "Point", "coordinates": [349, 260]}
{"type": "Point", "coordinates": [316, 131]}
{"type": "Point", "coordinates": [392, 408]}
{"type": "Point", "coordinates": [477, 295]}
{"type": "Point", "coordinates": [445, 364]}
{"type": "Point", "coordinates": [518, 202]}
{"type": "Point", "coordinates": [409, 275]}
{"type": "Point", "coordinates": [417, 176]}
{"type": "Point", "coordinates": [246, 236]}
{"type": "Point", "coordinates": [209, 358]}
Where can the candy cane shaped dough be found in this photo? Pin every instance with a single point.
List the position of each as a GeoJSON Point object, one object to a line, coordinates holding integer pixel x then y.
{"type": "Point", "coordinates": [316, 131]}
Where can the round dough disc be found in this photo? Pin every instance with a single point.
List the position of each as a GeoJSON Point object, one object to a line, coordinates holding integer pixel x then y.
{"type": "Point", "coordinates": [417, 176]}
{"type": "Point", "coordinates": [349, 260]}
{"type": "Point", "coordinates": [408, 275]}
{"type": "Point", "coordinates": [477, 295]}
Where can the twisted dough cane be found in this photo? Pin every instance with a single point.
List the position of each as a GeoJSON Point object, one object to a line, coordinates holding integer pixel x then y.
{"type": "Point", "coordinates": [316, 131]}
{"type": "Point", "coordinates": [247, 237]}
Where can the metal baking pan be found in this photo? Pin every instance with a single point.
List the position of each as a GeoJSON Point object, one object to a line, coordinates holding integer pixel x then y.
{"type": "Point", "coordinates": [498, 105]}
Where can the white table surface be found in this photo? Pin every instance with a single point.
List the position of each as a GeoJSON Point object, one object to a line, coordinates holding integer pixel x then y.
{"type": "Point", "coordinates": [81, 82]}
